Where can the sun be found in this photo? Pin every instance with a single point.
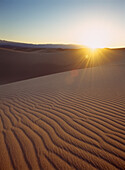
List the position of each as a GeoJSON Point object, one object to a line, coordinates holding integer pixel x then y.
{"type": "Point", "coordinates": [95, 41]}
{"type": "Point", "coordinates": [93, 48]}
{"type": "Point", "coordinates": [95, 45]}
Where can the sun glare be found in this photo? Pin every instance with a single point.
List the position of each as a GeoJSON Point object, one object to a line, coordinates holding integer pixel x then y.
{"type": "Point", "coordinates": [95, 41]}
{"type": "Point", "coordinates": [93, 45]}
{"type": "Point", "coordinates": [95, 34]}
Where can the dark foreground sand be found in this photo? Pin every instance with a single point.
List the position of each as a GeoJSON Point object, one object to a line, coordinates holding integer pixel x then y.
{"type": "Point", "coordinates": [70, 120]}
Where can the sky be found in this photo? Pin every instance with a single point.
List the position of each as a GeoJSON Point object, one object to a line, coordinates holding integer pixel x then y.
{"type": "Point", "coordinates": [88, 22]}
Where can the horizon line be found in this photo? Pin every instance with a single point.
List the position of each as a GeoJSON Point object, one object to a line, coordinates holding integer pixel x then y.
{"type": "Point", "coordinates": [57, 43]}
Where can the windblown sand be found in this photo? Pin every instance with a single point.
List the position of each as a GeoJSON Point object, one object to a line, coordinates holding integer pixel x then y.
{"type": "Point", "coordinates": [70, 120]}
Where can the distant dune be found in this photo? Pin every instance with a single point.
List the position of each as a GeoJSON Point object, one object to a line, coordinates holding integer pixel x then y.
{"type": "Point", "coordinates": [11, 44]}
{"type": "Point", "coordinates": [69, 120]}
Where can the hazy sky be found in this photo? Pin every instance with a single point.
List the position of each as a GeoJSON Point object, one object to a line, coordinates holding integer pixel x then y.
{"type": "Point", "coordinates": [63, 21]}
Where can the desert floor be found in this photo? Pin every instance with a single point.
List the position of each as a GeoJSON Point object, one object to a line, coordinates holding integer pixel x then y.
{"type": "Point", "coordinates": [67, 120]}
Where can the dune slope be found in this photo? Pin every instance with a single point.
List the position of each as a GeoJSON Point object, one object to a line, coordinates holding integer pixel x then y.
{"type": "Point", "coordinates": [71, 120]}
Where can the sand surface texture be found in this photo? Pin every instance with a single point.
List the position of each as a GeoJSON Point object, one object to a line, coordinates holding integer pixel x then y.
{"type": "Point", "coordinates": [70, 120]}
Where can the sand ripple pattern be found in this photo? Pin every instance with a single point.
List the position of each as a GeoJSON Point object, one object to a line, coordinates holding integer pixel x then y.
{"type": "Point", "coordinates": [62, 130]}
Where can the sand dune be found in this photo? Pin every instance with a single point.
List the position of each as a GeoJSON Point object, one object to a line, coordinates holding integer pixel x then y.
{"type": "Point", "coordinates": [71, 120]}
{"type": "Point", "coordinates": [23, 63]}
